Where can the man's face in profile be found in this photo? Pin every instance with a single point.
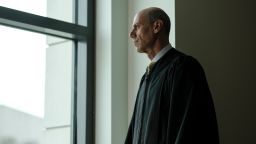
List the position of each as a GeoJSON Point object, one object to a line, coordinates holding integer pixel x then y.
{"type": "Point", "coordinates": [142, 32]}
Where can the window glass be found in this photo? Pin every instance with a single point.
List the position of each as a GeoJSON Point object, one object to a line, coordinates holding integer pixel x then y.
{"type": "Point", "coordinates": [22, 94]}
{"type": "Point", "coordinates": [22, 62]}
{"type": "Point", "coordinates": [57, 9]}
{"type": "Point", "coordinates": [36, 88]}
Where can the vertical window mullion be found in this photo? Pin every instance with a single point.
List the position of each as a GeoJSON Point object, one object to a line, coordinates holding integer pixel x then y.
{"type": "Point", "coordinates": [85, 74]}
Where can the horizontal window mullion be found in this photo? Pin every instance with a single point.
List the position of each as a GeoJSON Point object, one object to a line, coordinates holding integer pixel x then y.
{"type": "Point", "coordinates": [49, 26]}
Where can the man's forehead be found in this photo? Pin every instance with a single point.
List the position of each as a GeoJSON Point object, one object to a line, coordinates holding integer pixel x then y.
{"type": "Point", "coordinates": [136, 19]}
{"type": "Point", "coordinates": [139, 18]}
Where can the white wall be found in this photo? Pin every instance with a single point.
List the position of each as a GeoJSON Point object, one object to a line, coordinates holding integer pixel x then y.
{"type": "Point", "coordinates": [137, 62]}
{"type": "Point", "coordinates": [111, 71]}
{"type": "Point", "coordinates": [103, 72]}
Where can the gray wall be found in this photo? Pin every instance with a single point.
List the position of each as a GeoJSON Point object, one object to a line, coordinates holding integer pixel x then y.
{"type": "Point", "coordinates": [221, 35]}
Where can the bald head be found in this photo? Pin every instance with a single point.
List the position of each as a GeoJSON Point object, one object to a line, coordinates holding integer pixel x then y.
{"type": "Point", "coordinates": [153, 14]}
{"type": "Point", "coordinates": [150, 32]}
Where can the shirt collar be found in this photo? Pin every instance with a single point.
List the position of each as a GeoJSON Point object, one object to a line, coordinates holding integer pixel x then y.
{"type": "Point", "coordinates": [161, 53]}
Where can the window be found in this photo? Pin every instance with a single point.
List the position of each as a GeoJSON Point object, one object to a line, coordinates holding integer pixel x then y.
{"type": "Point", "coordinates": [50, 65]}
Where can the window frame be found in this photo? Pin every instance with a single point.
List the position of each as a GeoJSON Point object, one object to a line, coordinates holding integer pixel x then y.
{"type": "Point", "coordinates": [83, 99]}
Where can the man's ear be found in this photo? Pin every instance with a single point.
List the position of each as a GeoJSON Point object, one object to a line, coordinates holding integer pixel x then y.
{"type": "Point", "coordinates": [157, 26]}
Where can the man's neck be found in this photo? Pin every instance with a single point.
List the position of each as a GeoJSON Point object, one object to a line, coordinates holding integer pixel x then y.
{"type": "Point", "coordinates": [156, 49]}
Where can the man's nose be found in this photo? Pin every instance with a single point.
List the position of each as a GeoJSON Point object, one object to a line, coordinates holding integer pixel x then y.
{"type": "Point", "coordinates": [132, 34]}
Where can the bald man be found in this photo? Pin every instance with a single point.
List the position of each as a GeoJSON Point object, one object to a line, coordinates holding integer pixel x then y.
{"type": "Point", "coordinates": [174, 104]}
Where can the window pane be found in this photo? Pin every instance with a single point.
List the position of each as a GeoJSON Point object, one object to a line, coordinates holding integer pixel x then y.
{"type": "Point", "coordinates": [22, 61]}
{"type": "Point", "coordinates": [57, 9]}
{"type": "Point", "coordinates": [36, 87]}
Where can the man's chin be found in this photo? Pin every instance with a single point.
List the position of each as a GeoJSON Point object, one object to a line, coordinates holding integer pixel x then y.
{"type": "Point", "coordinates": [139, 50]}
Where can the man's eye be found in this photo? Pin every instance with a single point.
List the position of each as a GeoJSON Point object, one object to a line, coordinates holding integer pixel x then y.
{"type": "Point", "coordinates": [136, 27]}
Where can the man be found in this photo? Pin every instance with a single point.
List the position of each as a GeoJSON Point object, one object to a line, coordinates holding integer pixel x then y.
{"type": "Point", "coordinates": [173, 104]}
